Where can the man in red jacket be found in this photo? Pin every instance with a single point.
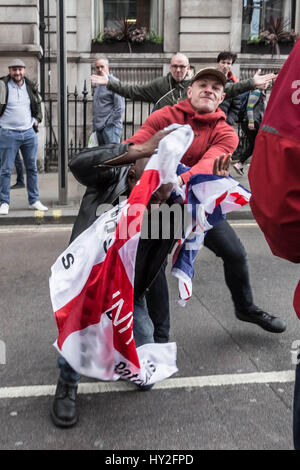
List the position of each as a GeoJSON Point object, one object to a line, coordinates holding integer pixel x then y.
{"type": "Point", "coordinates": [213, 137]}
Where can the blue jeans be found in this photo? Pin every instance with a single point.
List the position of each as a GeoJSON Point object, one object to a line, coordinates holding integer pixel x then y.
{"type": "Point", "coordinates": [110, 134]}
{"type": "Point", "coordinates": [142, 332]}
{"type": "Point", "coordinates": [10, 143]}
{"type": "Point", "coordinates": [19, 168]}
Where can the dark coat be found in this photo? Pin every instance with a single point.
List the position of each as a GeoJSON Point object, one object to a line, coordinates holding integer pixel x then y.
{"type": "Point", "coordinates": [34, 96]}
{"type": "Point", "coordinates": [105, 184]}
{"type": "Point", "coordinates": [231, 107]}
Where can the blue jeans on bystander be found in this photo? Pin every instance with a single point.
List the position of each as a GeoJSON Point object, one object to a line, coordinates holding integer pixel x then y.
{"type": "Point", "coordinates": [110, 134]}
{"type": "Point", "coordinates": [10, 143]}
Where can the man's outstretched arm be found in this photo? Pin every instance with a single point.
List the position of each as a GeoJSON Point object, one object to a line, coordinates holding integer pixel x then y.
{"type": "Point", "coordinates": [234, 89]}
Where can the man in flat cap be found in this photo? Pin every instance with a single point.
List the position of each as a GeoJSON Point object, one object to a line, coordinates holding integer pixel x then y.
{"type": "Point", "coordinates": [20, 115]}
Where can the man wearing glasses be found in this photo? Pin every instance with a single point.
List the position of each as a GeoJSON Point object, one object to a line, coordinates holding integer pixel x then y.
{"type": "Point", "coordinates": [172, 88]}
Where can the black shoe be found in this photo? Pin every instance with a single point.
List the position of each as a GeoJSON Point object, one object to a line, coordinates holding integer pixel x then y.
{"type": "Point", "coordinates": [17, 186]}
{"type": "Point", "coordinates": [63, 410]}
{"type": "Point", "coordinates": [265, 320]}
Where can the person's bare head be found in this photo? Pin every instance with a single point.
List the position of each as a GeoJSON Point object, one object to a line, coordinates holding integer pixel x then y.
{"type": "Point", "coordinates": [225, 60]}
{"type": "Point", "coordinates": [179, 67]}
{"type": "Point", "coordinates": [102, 66]}
{"type": "Point", "coordinates": [160, 196]}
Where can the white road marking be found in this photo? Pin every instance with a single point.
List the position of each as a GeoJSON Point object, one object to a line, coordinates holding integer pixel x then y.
{"type": "Point", "coordinates": [62, 228]}
{"type": "Point", "coordinates": [31, 391]}
{"type": "Point", "coordinates": [39, 228]}
{"type": "Point", "coordinates": [243, 224]}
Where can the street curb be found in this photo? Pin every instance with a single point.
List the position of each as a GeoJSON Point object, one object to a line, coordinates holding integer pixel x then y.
{"type": "Point", "coordinates": [55, 216]}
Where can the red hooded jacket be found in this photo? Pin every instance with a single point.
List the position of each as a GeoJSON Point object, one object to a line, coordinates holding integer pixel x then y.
{"type": "Point", "coordinates": [213, 136]}
{"type": "Point", "coordinates": [274, 173]}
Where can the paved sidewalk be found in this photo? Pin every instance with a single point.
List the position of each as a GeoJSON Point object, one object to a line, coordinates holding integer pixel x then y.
{"type": "Point", "coordinates": [20, 214]}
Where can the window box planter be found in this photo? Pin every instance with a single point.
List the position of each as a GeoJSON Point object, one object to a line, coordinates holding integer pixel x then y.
{"type": "Point", "coordinates": [123, 47]}
{"type": "Point", "coordinates": [261, 48]}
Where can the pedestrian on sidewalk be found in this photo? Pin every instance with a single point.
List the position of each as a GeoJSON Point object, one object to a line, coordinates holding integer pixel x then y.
{"type": "Point", "coordinates": [20, 173]}
{"type": "Point", "coordinates": [20, 115]}
{"type": "Point", "coordinates": [108, 108]}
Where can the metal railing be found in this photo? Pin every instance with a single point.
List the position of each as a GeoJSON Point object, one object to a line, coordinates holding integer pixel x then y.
{"type": "Point", "coordinates": [79, 111]}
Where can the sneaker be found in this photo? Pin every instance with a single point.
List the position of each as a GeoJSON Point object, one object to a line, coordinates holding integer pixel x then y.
{"type": "Point", "coordinates": [63, 412]}
{"type": "Point", "coordinates": [263, 319]}
{"type": "Point", "coordinates": [17, 185]}
{"type": "Point", "coordinates": [239, 168]}
{"type": "Point", "coordinates": [38, 206]}
{"type": "Point", "coordinates": [4, 208]}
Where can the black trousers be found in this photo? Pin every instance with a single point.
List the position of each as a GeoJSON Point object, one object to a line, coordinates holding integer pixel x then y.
{"type": "Point", "coordinates": [157, 298]}
{"type": "Point", "coordinates": [251, 136]}
{"type": "Point", "coordinates": [224, 242]}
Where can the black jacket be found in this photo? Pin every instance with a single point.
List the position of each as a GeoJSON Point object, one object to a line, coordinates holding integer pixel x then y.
{"type": "Point", "coordinates": [105, 184]}
{"type": "Point", "coordinates": [231, 107]}
{"type": "Point", "coordinates": [34, 96]}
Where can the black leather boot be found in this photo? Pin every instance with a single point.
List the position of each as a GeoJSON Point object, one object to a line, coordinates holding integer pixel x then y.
{"type": "Point", "coordinates": [263, 319]}
{"type": "Point", "coordinates": [63, 410]}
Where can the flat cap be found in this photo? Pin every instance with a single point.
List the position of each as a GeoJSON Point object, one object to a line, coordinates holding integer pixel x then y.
{"type": "Point", "coordinates": [16, 63]}
{"type": "Point", "coordinates": [210, 71]}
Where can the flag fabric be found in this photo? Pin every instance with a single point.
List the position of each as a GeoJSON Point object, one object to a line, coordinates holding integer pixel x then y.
{"type": "Point", "coordinates": [209, 198]}
{"type": "Point", "coordinates": [275, 167]}
{"type": "Point", "coordinates": [91, 284]}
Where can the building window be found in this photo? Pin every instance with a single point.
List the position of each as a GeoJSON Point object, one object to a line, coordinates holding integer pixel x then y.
{"type": "Point", "coordinates": [257, 15]}
{"type": "Point", "coordinates": [147, 13]}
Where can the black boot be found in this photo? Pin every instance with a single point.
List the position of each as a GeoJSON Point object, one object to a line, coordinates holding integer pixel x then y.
{"type": "Point", "coordinates": [18, 185]}
{"type": "Point", "coordinates": [63, 410]}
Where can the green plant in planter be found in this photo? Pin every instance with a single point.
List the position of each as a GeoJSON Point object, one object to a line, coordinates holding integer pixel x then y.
{"type": "Point", "coordinates": [255, 40]}
{"type": "Point", "coordinates": [153, 37]}
{"type": "Point", "coordinates": [276, 33]}
{"type": "Point", "coordinates": [124, 31]}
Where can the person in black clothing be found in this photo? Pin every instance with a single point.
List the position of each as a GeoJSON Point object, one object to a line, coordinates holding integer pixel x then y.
{"type": "Point", "coordinates": [251, 116]}
{"type": "Point", "coordinates": [110, 171]}
{"type": "Point", "coordinates": [230, 106]}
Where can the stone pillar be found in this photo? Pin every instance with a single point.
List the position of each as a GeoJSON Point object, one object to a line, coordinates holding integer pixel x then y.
{"type": "Point", "coordinates": [171, 25]}
{"type": "Point", "coordinates": [236, 26]}
{"type": "Point", "coordinates": [85, 26]}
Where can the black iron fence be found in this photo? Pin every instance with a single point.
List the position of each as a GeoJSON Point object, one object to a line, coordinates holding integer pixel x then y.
{"type": "Point", "coordinates": [79, 110]}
